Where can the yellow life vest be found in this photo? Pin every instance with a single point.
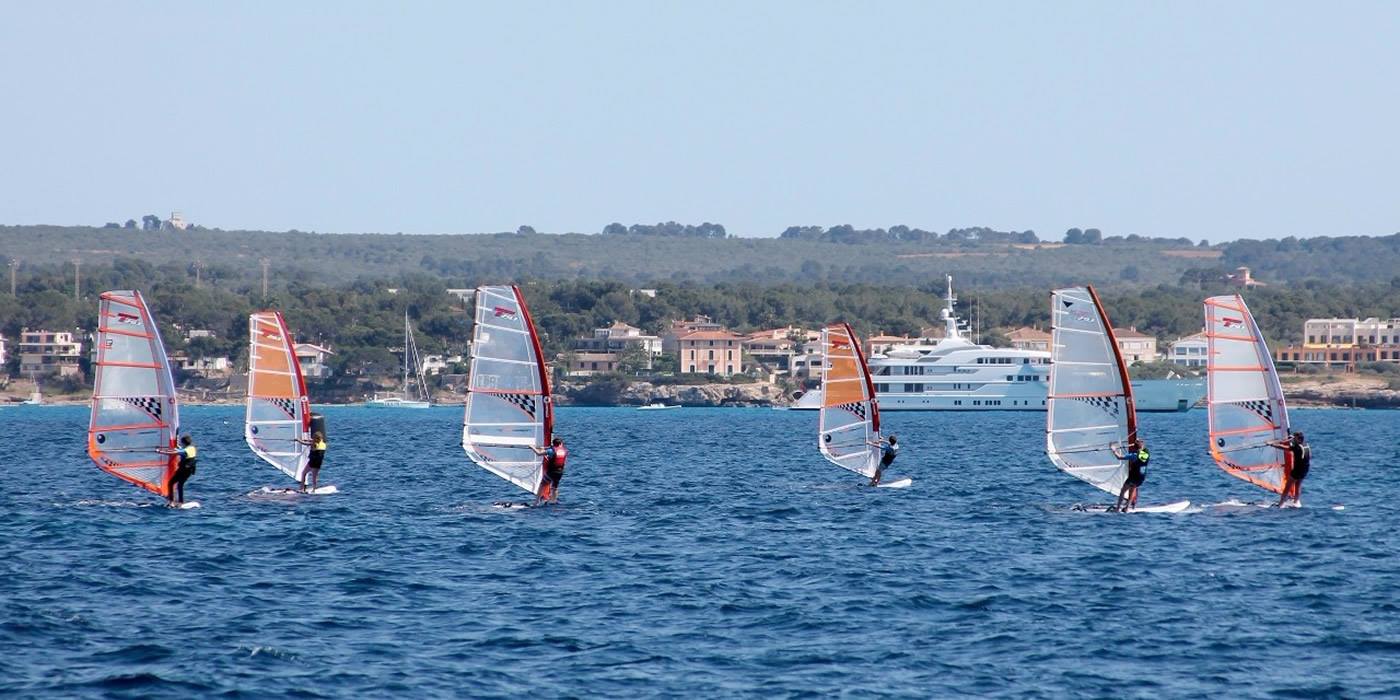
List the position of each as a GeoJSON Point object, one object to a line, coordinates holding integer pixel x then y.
{"type": "Point", "coordinates": [190, 451]}
{"type": "Point", "coordinates": [320, 446]}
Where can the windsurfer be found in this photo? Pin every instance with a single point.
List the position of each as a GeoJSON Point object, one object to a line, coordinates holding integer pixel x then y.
{"type": "Point", "coordinates": [184, 469]}
{"type": "Point", "coordinates": [554, 457]}
{"type": "Point", "coordinates": [889, 449]}
{"type": "Point", "coordinates": [313, 464]}
{"type": "Point", "coordinates": [1297, 460]}
{"type": "Point", "coordinates": [1137, 456]}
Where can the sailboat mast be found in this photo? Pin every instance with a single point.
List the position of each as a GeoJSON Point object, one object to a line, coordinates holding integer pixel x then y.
{"type": "Point", "coordinates": [405, 353]}
{"type": "Point", "coordinates": [1122, 366]}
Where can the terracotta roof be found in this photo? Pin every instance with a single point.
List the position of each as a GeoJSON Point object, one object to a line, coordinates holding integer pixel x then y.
{"type": "Point", "coordinates": [1026, 333]}
{"type": "Point", "coordinates": [710, 335]}
{"type": "Point", "coordinates": [1121, 333]}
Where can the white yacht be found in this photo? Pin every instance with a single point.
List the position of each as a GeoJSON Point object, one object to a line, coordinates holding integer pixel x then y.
{"type": "Point", "coordinates": [956, 374]}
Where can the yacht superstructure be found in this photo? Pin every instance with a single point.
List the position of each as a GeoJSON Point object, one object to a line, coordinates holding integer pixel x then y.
{"type": "Point", "coordinates": [956, 374]}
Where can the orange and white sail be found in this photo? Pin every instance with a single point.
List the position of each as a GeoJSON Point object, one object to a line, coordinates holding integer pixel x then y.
{"type": "Point", "coordinates": [278, 414]}
{"type": "Point", "coordinates": [1245, 403]}
{"type": "Point", "coordinates": [1089, 406]}
{"type": "Point", "coordinates": [135, 414]}
{"type": "Point", "coordinates": [849, 425]}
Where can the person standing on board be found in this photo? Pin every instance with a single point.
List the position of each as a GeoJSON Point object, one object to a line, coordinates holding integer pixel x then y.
{"type": "Point", "coordinates": [554, 457]}
{"type": "Point", "coordinates": [313, 465]}
{"type": "Point", "coordinates": [1137, 456]}
{"type": "Point", "coordinates": [184, 469]}
{"type": "Point", "coordinates": [1297, 460]}
{"type": "Point", "coordinates": [889, 449]}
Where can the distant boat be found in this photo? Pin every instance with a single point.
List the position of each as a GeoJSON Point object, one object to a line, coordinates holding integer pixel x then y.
{"type": "Point", "coordinates": [135, 414]}
{"type": "Point", "coordinates": [509, 414]}
{"type": "Point", "coordinates": [657, 407]}
{"type": "Point", "coordinates": [410, 395]}
{"type": "Point", "coordinates": [278, 417]}
{"type": "Point", "coordinates": [1246, 411]}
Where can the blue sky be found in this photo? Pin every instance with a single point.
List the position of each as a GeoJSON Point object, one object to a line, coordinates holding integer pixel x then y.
{"type": "Point", "coordinates": [1214, 120]}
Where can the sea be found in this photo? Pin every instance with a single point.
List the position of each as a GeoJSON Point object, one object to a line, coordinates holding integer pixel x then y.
{"type": "Point", "coordinates": [696, 553]}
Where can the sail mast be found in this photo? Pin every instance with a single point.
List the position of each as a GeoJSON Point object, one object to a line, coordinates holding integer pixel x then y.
{"type": "Point", "coordinates": [1122, 366]}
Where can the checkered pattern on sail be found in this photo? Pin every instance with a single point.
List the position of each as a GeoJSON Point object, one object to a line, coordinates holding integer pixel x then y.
{"type": "Point", "coordinates": [288, 406]}
{"type": "Point", "coordinates": [1262, 408]}
{"type": "Point", "coordinates": [854, 407]}
{"type": "Point", "coordinates": [149, 404]}
{"type": "Point", "coordinates": [1108, 404]}
{"type": "Point", "coordinates": [524, 402]}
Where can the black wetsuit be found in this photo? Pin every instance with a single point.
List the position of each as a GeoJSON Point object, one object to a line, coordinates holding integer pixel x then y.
{"type": "Point", "coordinates": [1137, 469]}
{"type": "Point", "coordinates": [184, 469]}
{"type": "Point", "coordinates": [1302, 460]}
{"type": "Point", "coordinates": [317, 457]}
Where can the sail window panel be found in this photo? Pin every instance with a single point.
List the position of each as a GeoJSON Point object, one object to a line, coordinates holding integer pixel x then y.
{"type": "Point", "coordinates": [1084, 380]}
{"type": "Point", "coordinates": [121, 348]}
{"type": "Point", "coordinates": [129, 381]}
{"type": "Point", "coordinates": [491, 375]}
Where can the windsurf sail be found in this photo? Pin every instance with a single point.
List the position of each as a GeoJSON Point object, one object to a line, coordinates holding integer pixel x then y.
{"type": "Point", "coordinates": [1090, 400]}
{"type": "Point", "coordinates": [508, 403]}
{"type": "Point", "coordinates": [1244, 399]}
{"type": "Point", "coordinates": [134, 411]}
{"type": "Point", "coordinates": [278, 413]}
{"type": "Point", "coordinates": [850, 416]}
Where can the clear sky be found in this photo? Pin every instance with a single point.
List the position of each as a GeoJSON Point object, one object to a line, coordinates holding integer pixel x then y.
{"type": "Point", "coordinates": [1204, 119]}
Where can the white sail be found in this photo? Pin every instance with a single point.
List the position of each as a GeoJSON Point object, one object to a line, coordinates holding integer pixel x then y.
{"type": "Point", "coordinates": [508, 402]}
{"type": "Point", "coordinates": [1245, 402]}
{"type": "Point", "coordinates": [850, 418]}
{"type": "Point", "coordinates": [278, 414]}
{"type": "Point", "coordinates": [1089, 406]}
{"type": "Point", "coordinates": [135, 414]}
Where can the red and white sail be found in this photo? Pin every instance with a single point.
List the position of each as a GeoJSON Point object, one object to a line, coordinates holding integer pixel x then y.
{"type": "Point", "coordinates": [849, 423]}
{"type": "Point", "coordinates": [135, 414]}
{"type": "Point", "coordinates": [1245, 403]}
{"type": "Point", "coordinates": [1090, 400]}
{"type": "Point", "coordinates": [508, 401]}
{"type": "Point", "coordinates": [278, 414]}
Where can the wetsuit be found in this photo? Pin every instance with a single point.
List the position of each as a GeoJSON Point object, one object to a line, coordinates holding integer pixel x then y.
{"type": "Point", "coordinates": [887, 455]}
{"type": "Point", "coordinates": [184, 469]}
{"type": "Point", "coordinates": [318, 455]}
{"type": "Point", "coordinates": [1302, 460]}
{"type": "Point", "coordinates": [554, 458]}
{"type": "Point", "coordinates": [1137, 467]}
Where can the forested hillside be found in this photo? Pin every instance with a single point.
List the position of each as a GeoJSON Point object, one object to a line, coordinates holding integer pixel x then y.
{"type": "Point", "coordinates": [645, 255]}
{"type": "Point", "coordinates": [362, 320]}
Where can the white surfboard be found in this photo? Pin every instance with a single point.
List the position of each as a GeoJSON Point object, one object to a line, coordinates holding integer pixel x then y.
{"type": "Point", "coordinates": [188, 505]}
{"type": "Point", "coordinates": [902, 482]}
{"type": "Point", "coordinates": [1176, 507]}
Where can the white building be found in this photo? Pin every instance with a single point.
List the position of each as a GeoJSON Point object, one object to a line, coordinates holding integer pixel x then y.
{"type": "Point", "coordinates": [3, 356]}
{"type": "Point", "coordinates": [1189, 351]}
{"type": "Point", "coordinates": [49, 352]}
{"type": "Point", "coordinates": [1135, 345]}
{"type": "Point", "coordinates": [1348, 332]}
{"type": "Point", "coordinates": [207, 366]}
{"type": "Point", "coordinates": [312, 359]}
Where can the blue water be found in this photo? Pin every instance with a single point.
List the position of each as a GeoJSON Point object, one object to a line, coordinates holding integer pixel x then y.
{"type": "Point", "coordinates": [700, 553]}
